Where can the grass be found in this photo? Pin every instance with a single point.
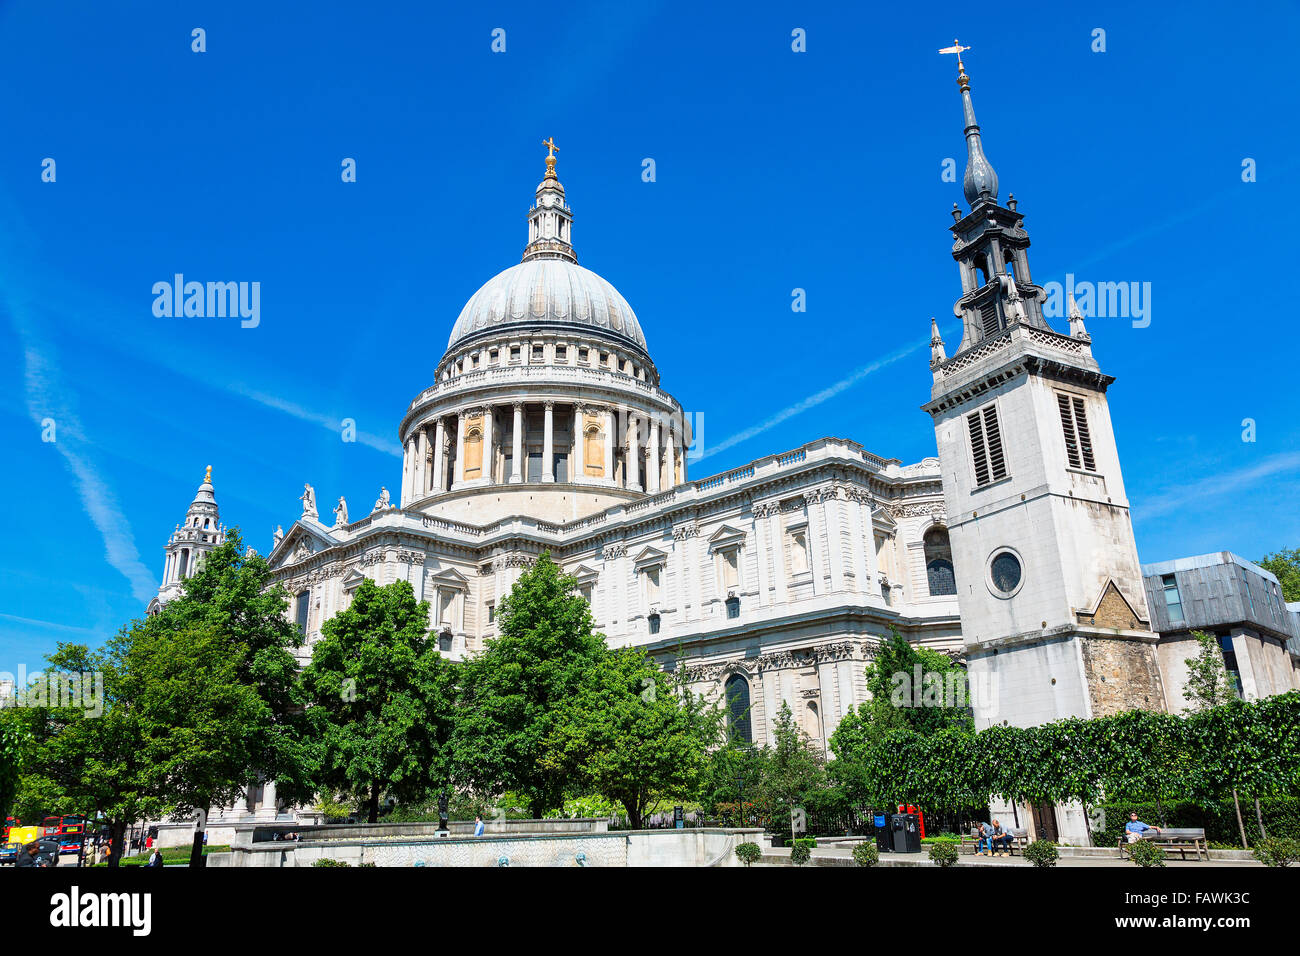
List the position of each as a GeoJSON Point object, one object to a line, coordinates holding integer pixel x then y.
{"type": "Point", "coordinates": [171, 855]}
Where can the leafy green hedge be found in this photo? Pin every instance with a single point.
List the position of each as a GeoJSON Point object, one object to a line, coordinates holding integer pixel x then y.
{"type": "Point", "coordinates": [1217, 818]}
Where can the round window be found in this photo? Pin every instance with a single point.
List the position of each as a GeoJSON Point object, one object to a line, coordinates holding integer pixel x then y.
{"type": "Point", "coordinates": [1005, 573]}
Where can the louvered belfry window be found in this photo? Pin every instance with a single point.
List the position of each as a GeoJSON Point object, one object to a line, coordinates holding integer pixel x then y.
{"type": "Point", "coordinates": [986, 446]}
{"type": "Point", "coordinates": [1078, 440]}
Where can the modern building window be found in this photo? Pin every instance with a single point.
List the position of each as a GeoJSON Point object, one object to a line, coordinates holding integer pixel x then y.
{"type": "Point", "coordinates": [1173, 600]}
{"type": "Point", "coordinates": [1230, 662]}
{"type": "Point", "coordinates": [1078, 440]}
{"type": "Point", "coordinates": [736, 690]}
{"type": "Point", "coordinates": [302, 606]}
{"type": "Point", "coordinates": [986, 446]}
{"type": "Point", "coordinates": [938, 563]}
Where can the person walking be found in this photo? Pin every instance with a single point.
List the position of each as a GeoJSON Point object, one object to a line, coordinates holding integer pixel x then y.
{"type": "Point", "coordinates": [478, 825]}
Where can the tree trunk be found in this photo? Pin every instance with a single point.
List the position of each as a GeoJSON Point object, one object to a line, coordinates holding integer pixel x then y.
{"type": "Point", "coordinates": [1259, 817]}
{"type": "Point", "coordinates": [372, 811]}
{"type": "Point", "coordinates": [1241, 824]}
{"type": "Point", "coordinates": [117, 834]}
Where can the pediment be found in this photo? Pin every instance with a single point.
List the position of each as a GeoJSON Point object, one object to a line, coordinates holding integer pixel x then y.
{"type": "Point", "coordinates": [449, 578]}
{"type": "Point", "coordinates": [585, 575]}
{"type": "Point", "coordinates": [649, 557]}
{"type": "Point", "coordinates": [725, 536]}
{"type": "Point", "coordinates": [1112, 609]}
{"type": "Point", "coordinates": [299, 543]}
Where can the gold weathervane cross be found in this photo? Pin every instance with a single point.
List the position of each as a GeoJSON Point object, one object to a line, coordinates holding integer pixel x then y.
{"type": "Point", "coordinates": [956, 48]}
{"type": "Point", "coordinates": [550, 145]}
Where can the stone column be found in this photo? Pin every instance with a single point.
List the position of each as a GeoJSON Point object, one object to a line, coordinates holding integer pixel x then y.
{"type": "Point", "coordinates": [633, 453]}
{"type": "Point", "coordinates": [421, 464]}
{"type": "Point", "coordinates": [408, 458]}
{"type": "Point", "coordinates": [489, 446]}
{"type": "Point", "coordinates": [577, 463]}
{"type": "Point", "coordinates": [517, 445]}
{"type": "Point", "coordinates": [834, 540]}
{"type": "Point", "coordinates": [548, 437]}
{"type": "Point", "coordinates": [440, 456]}
{"type": "Point", "coordinates": [652, 459]}
{"type": "Point", "coordinates": [460, 450]}
{"type": "Point", "coordinates": [609, 444]}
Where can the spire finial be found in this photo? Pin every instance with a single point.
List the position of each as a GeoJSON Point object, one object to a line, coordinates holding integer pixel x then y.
{"type": "Point", "coordinates": [937, 355]}
{"type": "Point", "coordinates": [207, 476]}
{"type": "Point", "coordinates": [980, 182]}
{"type": "Point", "coordinates": [551, 150]}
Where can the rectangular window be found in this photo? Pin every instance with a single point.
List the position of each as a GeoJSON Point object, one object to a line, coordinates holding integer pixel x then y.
{"type": "Point", "coordinates": [986, 446]}
{"type": "Point", "coordinates": [1230, 662]}
{"type": "Point", "coordinates": [652, 585]}
{"type": "Point", "coordinates": [731, 568]}
{"type": "Point", "coordinates": [446, 597]}
{"type": "Point", "coordinates": [989, 318]}
{"type": "Point", "coordinates": [493, 356]}
{"type": "Point", "coordinates": [582, 356]}
{"type": "Point", "coordinates": [1173, 600]}
{"type": "Point", "coordinates": [491, 613]}
{"type": "Point", "coordinates": [798, 551]}
{"type": "Point", "coordinates": [534, 466]}
{"type": "Point", "coordinates": [561, 353]}
{"type": "Point", "coordinates": [560, 467]}
{"type": "Point", "coordinates": [301, 611]}
{"type": "Point", "coordinates": [1078, 440]}
{"type": "Point", "coordinates": [514, 353]}
{"type": "Point", "coordinates": [537, 354]}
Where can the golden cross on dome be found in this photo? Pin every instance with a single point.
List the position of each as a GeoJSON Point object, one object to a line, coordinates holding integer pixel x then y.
{"type": "Point", "coordinates": [207, 477]}
{"type": "Point", "coordinates": [551, 147]}
{"type": "Point", "coordinates": [958, 49]}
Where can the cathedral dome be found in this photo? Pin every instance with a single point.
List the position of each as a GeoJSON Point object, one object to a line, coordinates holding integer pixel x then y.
{"type": "Point", "coordinates": [552, 292]}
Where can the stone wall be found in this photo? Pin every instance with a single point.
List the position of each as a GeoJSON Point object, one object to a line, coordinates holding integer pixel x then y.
{"type": "Point", "coordinates": [691, 847]}
{"type": "Point", "coordinates": [1122, 674]}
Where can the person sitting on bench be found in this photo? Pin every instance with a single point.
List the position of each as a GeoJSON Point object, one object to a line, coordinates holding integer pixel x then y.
{"type": "Point", "coordinates": [983, 836]}
{"type": "Point", "coordinates": [1001, 837]}
{"type": "Point", "coordinates": [1134, 829]}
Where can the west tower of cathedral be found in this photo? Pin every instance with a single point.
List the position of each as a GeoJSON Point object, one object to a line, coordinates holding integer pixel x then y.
{"type": "Point", "coordinates": [1053, 608]}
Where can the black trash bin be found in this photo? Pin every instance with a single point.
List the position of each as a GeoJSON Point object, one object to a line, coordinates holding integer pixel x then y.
{"type": "Point", "coordinates": [884, 838]}
{"type": "Point", "coordinates": [906, 831]}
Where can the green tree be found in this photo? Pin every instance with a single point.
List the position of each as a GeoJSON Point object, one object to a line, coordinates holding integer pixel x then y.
{"type": "Point", "coordinates": [915, 688]}
{"type": "Point", "coordinates": [634, 734]}
{"type": "Point", "coordinates": [1207, 679]}
{"type": "Point", "coordinates": [1286, 566]}
{"type": "Point", "coordinates": [381, 699]}
{"type": "Point", "coordinates": [232, 594]}
{"type": "Point", "coordinates": [795, 769]}
{"type": "Point", "coordinates": [174, 733]}
{"type": "Point", "coordinates": [514, 694]}
{"type": "Point", "coordinates": [13, 742]}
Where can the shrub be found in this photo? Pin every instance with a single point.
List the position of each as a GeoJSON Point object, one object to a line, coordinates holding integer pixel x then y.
{"type": "Point", "coordinates": [866, 854]}
{"type": "Point", "coordinates": [1278, 851]}
{"type": "Point", "coordinates": [749, 853]}
{"type": "Point", "coordinates": [943, 852]}
{"type": "Point", "coordinates": [326, 861]}
{"type": "Point", "coordinates": [1042, 853]}
{"type": "Point", "coordinates": [801, 850]}
{"type": "Point", "coordinates": [1146, 853]}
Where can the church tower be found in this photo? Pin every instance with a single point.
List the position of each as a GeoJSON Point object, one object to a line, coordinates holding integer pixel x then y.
{"type": "Point", "coordinates": [202, 532]}
{"type": "Point", "coordinates": [1053, 609]}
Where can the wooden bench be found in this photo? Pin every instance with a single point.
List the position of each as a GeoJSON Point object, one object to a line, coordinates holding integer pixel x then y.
{"type": "Point", "coordinates": [1173, 839]}
{"type": "Point", "coordinates": [1019, 839]}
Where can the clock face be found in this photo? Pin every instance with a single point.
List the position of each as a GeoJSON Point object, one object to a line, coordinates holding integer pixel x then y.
{"type": "Point", "coordinates": [1005, 572]}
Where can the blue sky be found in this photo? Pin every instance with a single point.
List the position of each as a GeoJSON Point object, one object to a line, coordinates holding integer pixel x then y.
{"type": "Point", "coordinates": [775, 170]}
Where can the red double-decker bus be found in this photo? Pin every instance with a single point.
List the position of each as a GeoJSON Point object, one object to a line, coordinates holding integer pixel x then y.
{"type": "Point", "coordinates": [69, 830]}
{"type": "Point", "coordinates": [10, 823]}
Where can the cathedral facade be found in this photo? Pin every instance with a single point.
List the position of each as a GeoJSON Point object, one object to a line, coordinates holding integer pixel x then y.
{"type": "Point", "coordinates": [547, 429]}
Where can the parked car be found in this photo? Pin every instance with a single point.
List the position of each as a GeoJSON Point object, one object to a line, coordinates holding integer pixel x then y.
{"type": "Point", "coordinates": [9, 853]}
{"type": "Point", "coordinates": [47, 851]}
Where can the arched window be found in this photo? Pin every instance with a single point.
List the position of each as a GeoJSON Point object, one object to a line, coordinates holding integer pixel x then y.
{"type": "Point", "coordinates": [736, 691]}
{"type": "Point", "coordinates": [938, 563]}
